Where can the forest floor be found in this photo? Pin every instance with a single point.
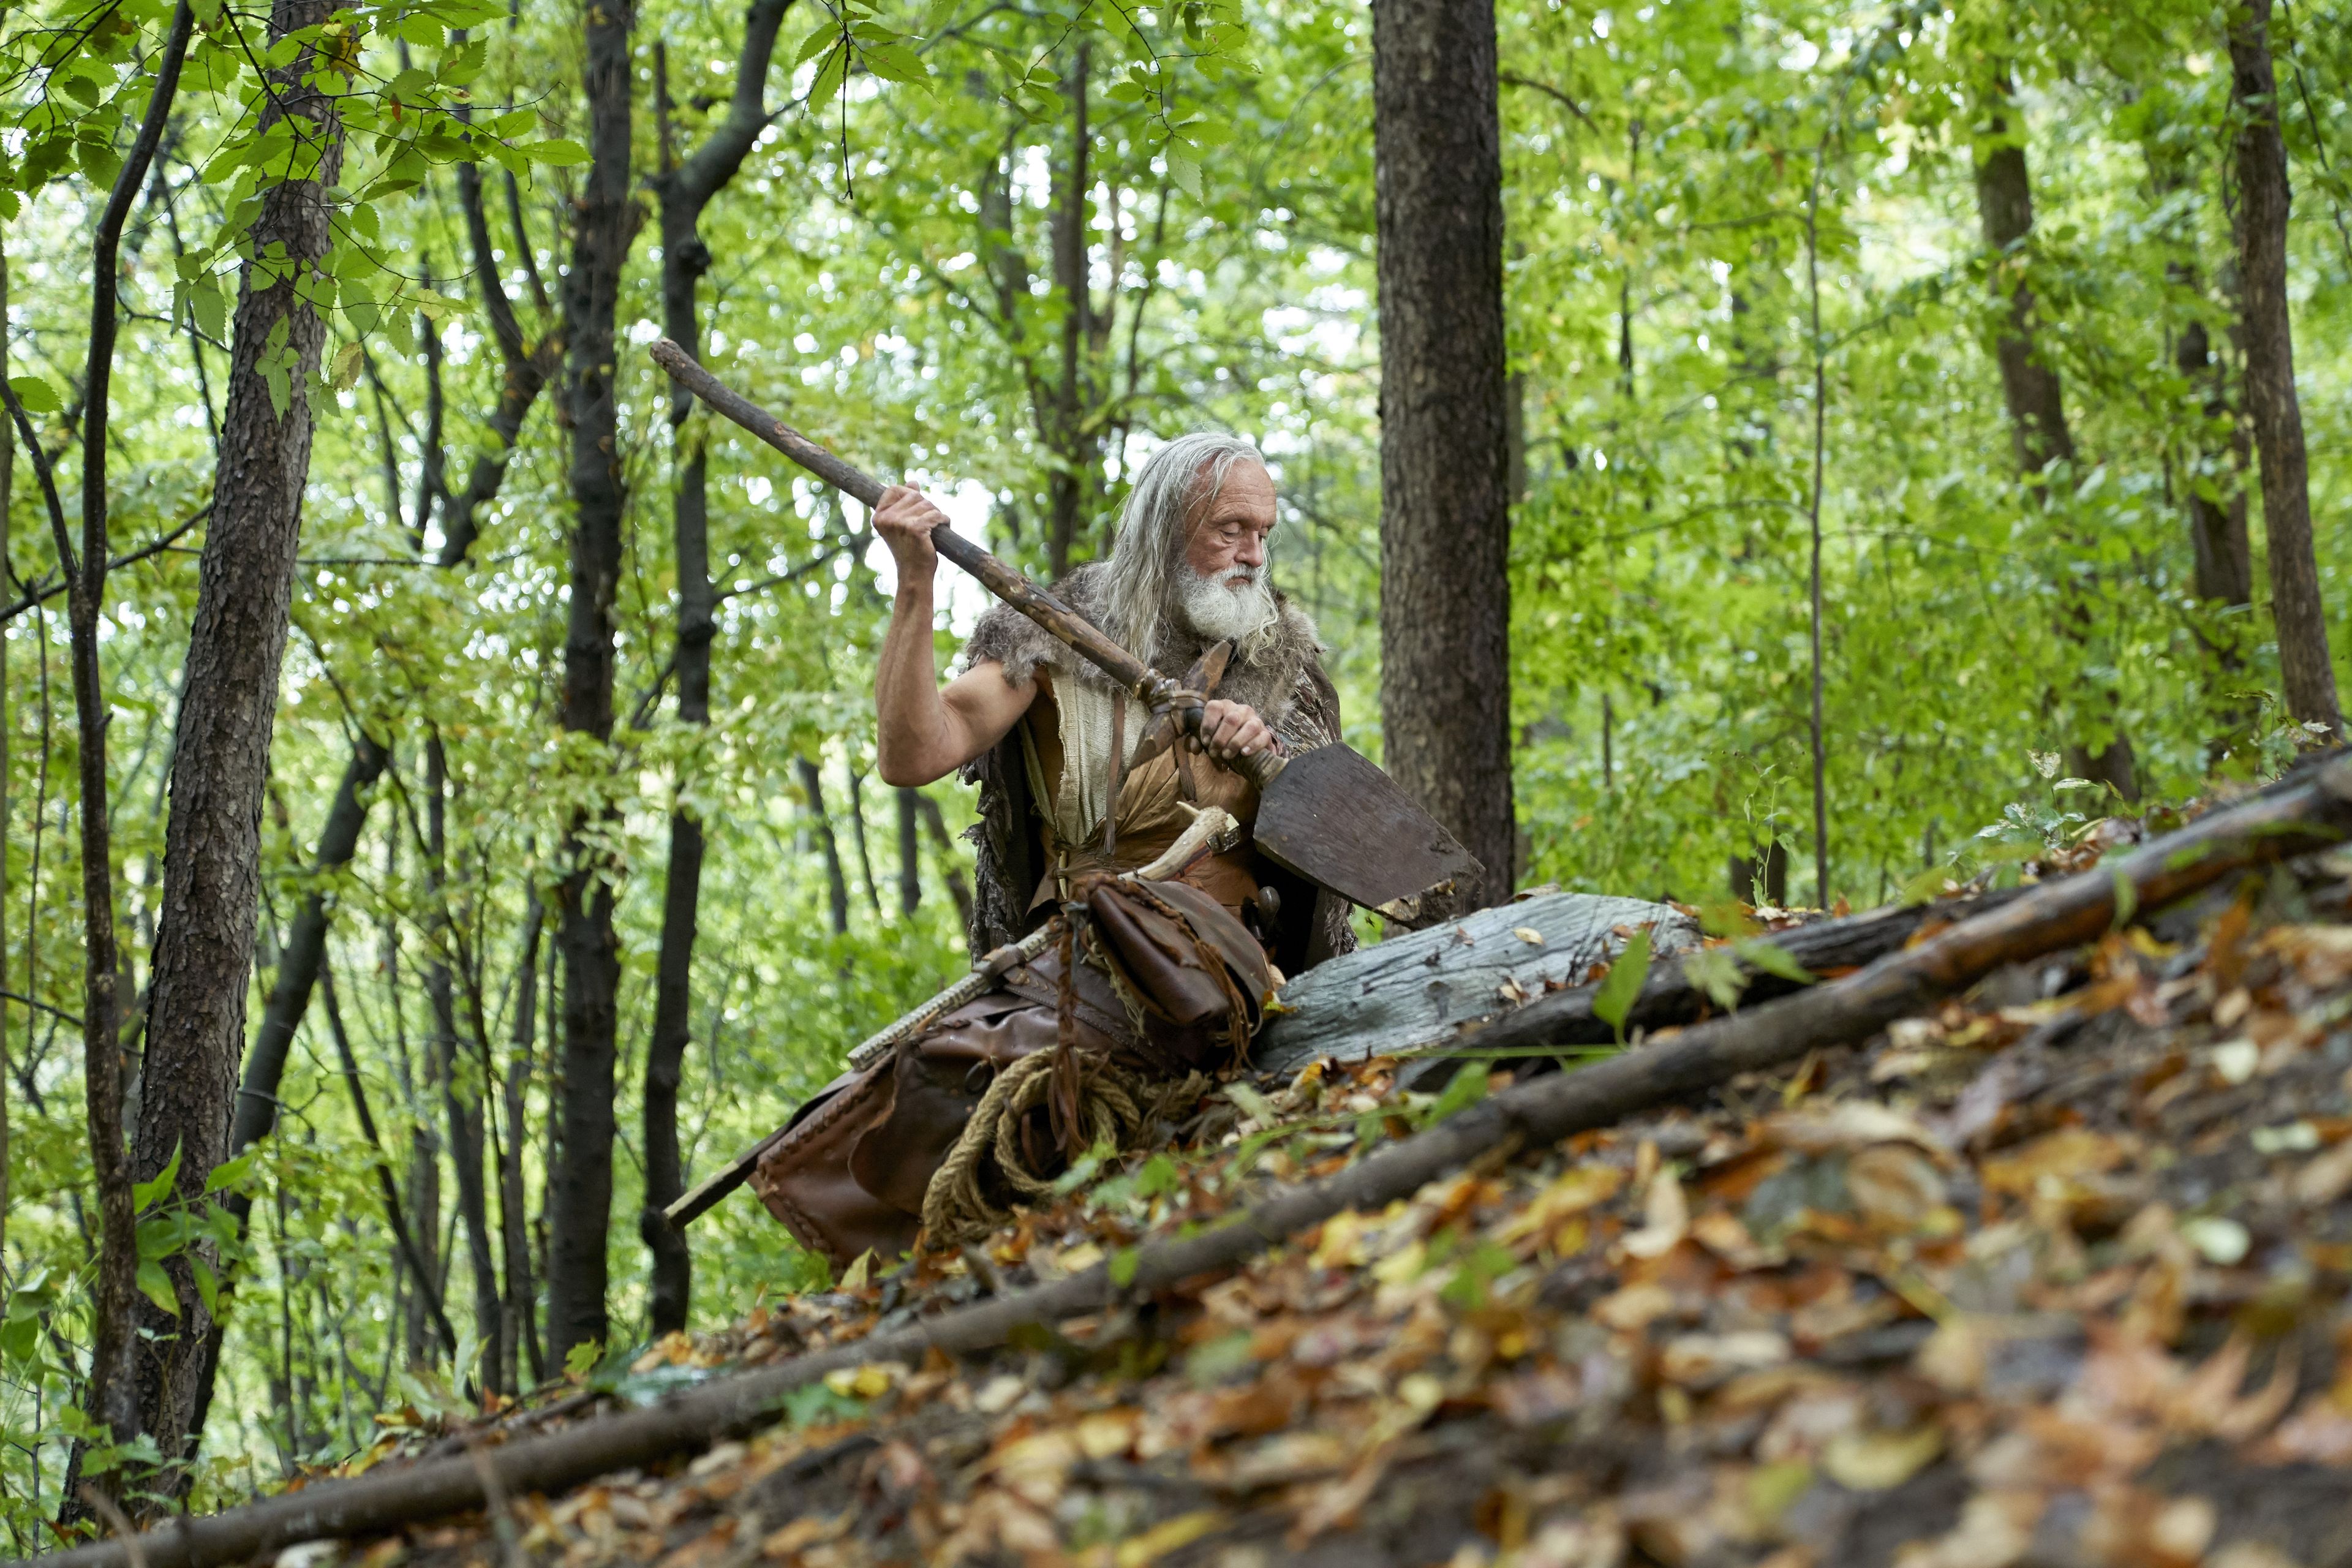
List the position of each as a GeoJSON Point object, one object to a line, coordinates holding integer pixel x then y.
{"type": "Point", "coordinates": [2054, 1274]}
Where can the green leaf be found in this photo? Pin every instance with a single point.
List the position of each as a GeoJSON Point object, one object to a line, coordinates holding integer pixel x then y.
{"type": "Point", "coordinates": [156, 1285]}
{"type": "Point", "coordinates": [556, 151]}
{"type": "Point", "coordinates": [1465, 1088]}
{"type": "Point", "coordinates": [36, 395]}
{"type": "Point", "coordinates": [1122, 1265]}
{"type": "Point", "coordinates": [1715, 971]}
{"type": "Point", "coordinates": [829, 78]}
{"type": "Point", "coordinates": [2126, 896]}
{"type": "Point", "coordinates": [582, 1359]}
{"type": "Point", "coordinates": [816, 44]}
{"type": "Point", "coordinates": [1622, 983]}
{"type": "Point", "coordinates": [146, 1192]}
{"type": "Point", "coordinates": [229, 1173]}
{"type": "Point", "coordinates": [1185, 171]}
{"type": "Point", "coordinates": [207, 1284]}
{"type": "Point", "coordinates": [1773, 959]}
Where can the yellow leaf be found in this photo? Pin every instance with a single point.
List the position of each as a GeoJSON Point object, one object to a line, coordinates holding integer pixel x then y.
{"type": "Point", "coordinates": [1165, 1537]}
{"type": "Point", "coordinates": [1880, 1461]}
{"type": "Point", "coordinates": [1529, 934]}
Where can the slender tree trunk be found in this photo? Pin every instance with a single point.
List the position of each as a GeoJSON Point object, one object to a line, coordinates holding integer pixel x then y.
{"type": "Point", "coordinates": [1071, 486]}
{"type": "Point", "coordinates": [299, 965]}
{"type": "Point", "coordinates": [1446, 517]}
{"type": "Point", "coordinates": [112, 1392]}
{"type": "Point", "coordinates": [910, 867]}
{"type": "Point", "coordinates": [685, 190]}
{"type": "Point", "coordinates": [514, 1210]}
{"type": "Point", "coordinates": [836, 884]}
{"type": "Point", "coordinates": [461, 1100]}
{"type": "Point", "coordinates": [2217, 526]}
{"type": "Point", "coordinates": [581, 1210]}
{"type": "Point", "coordinates": [2263, 199]}
{"type": "Point", "coordinates": [211, 853]}
{"type": "Point", "coordinates": [865, 849]}
{"type": "Point", "coordinates": [299, 962]}
{"type": "Point", "coordinates": [958, 889]}
{"type": "Point", "coordinates": [2039, 434]}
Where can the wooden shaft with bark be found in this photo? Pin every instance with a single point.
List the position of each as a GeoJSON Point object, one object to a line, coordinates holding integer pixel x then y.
{"type": "Point", "coordinates": [2312, 813]}
{"type": "Point", "coordinates": [1016, 589]}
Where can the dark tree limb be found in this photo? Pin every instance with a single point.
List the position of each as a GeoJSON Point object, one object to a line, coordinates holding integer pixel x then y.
{"type": "Point", "coordinates": [112, 1395]}
{"type": "Point", "coordinates": [683, 190]}
{"type": "Point", "coordinates": [2311, 813]}
{"type": "Point", "coordinates": [605, 220]}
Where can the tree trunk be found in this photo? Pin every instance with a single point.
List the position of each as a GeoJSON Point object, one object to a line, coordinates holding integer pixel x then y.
{"type": "Point", "coordinates": [111, 1394]}
{"type": "Point", "coordinates": [299, 965]}
{"type": "Point", "coordinates": [836, 884]}
{"type": "Point", "coordinates": [522, 1291]}
{"type": "Point", "coordinates": [2039, 435]}
{"type": "Point", "coordinates": [685, 190]}
{"type": "Point", "coordinates": [299, 961]}
{"type": "Point", "coordinates": [1446, 517]}
{"type": "Point", "coordinates": [2263, 198]}
{"type": "Point", "coordinates": [935, 825]}
{"type": "Point", "coordinates": [461, 1100]}
{"type": "Point", "coordinates": [2217, 528]}
{"type": "Point", "coordinates": [910, 867]}
{"type": "Point", "coordinates": [580, 1211]}
{"type": "Point", "coordinates": [2038, 432]}
{"type": "Point", "coordinates": [1070, 486]}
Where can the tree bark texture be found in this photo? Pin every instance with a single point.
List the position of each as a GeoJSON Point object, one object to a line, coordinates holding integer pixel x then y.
{"type": "Point", "coordinates": [299, 961]}
{"type": "Point", "coordinates": [910, 866]}
{"type": "Point", "coordinates": [112, 1392]}
{"type": "Point", "coordinates": [228, 705]}
{"type": "Point", "coordinates": [683, 190]}
{"type": "Point", "coordinates": [581, 1210]}
{"type": "Point", "coordinates": [2263, 199]}
{"type": "Point", "coordinates": [1445, 522]}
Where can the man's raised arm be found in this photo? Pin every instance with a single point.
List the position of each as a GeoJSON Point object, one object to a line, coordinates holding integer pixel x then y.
{"type": "Point", "coordinates": [922, 731]}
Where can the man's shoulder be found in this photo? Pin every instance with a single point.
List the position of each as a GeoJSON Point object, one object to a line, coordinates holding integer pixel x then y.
{"type": "Point", "coordinates": [1010, 638]}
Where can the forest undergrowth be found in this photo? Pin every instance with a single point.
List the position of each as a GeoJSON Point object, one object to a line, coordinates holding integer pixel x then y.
{"type": "Point", "coordinates": [2055, 1272]}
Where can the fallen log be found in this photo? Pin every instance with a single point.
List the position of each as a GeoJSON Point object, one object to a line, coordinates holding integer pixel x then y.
{"type": "Point", "coordinates": [2312, 814]}
{"type": "Point", "coordinates": [1671, 997]}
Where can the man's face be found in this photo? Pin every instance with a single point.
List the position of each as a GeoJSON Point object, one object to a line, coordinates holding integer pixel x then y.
{"type": "Point", "coordinates": [1228, 541]}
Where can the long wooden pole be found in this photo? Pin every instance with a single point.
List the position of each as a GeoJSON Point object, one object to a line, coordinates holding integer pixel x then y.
{"type": "Point", "coordinates": [2314, 812]}
{"type": "Point", "coordinates": [1040, 605]}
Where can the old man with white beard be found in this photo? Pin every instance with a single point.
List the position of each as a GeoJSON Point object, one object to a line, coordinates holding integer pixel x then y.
{"type": "Point", "coordinates": [1037, 726]}
{"type": "Point", "coordinates": [1113, 1022]}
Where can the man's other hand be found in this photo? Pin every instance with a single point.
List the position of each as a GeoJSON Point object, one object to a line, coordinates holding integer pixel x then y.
{"type": "Point", "coordinates": [1229, 731]}
{"type": "Point", "coordinates": [905, 517]}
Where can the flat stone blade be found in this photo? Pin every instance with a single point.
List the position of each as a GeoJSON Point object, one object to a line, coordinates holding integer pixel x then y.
{"type": "Point", "coordinates": [1334, 818]}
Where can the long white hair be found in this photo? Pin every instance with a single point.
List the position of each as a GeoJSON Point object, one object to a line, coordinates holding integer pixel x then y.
{"type": "Point", "coordinates": [1177, 484]}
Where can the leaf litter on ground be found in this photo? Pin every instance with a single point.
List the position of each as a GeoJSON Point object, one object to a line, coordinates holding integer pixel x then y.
{"type": "Point", "coordinates": [2054, 1273]}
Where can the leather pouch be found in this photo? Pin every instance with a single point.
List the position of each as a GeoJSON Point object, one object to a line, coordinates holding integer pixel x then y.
{"type": "Point", "coordinates": [1180, 956]}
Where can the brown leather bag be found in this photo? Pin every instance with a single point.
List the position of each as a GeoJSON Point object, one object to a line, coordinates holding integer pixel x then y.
{"type": "Point", "coordinates": [1169, 983]}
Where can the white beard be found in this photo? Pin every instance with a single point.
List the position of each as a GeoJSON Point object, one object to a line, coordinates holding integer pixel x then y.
{"type": "Point", "coordinates": [1217, 608]}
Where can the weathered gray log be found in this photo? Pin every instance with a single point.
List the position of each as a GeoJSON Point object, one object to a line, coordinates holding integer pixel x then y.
{"type": "Point", "coordinates": [1416, 991]}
